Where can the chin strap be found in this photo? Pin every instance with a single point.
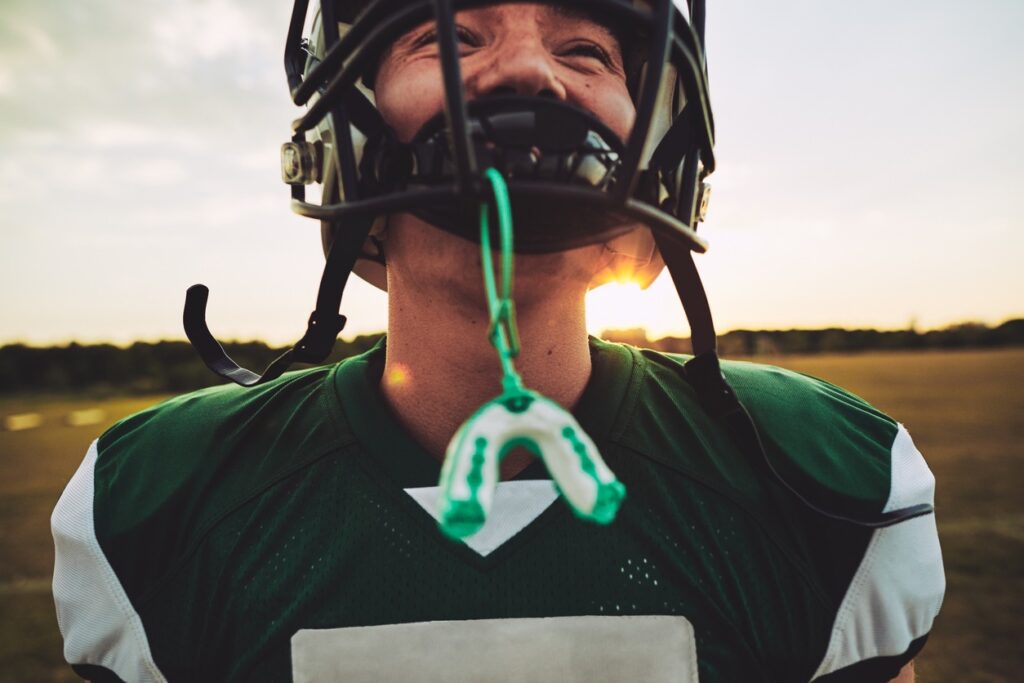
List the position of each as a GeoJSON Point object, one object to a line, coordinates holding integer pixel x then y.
{"type": "Point", "coordinates": [704, 373]}
{"type": "Point", "coordinates": [322, 329]}
{"type": "Point", "coordinates": [518, 417]}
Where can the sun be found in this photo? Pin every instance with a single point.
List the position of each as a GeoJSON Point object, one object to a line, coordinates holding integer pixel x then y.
{"type": "Point", "coordinates": [616, 305]}
{"type": "Point", "coordinates": [624, 305]}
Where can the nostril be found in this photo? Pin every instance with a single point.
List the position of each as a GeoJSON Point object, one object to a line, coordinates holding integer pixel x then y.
{"type": "Point", "coordinates": [547, 93]}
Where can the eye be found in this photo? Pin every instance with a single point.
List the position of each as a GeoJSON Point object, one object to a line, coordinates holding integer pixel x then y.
{"type": "Point", "coordinates": [466, 36]}
{"type": "Point", "coordinates": [588, 50]}
{"type": "Point", "coordinates": [462, 34]}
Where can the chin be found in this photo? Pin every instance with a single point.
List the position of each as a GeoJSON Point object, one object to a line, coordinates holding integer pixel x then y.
{"type": "Point", "coordinates": [436, 260]}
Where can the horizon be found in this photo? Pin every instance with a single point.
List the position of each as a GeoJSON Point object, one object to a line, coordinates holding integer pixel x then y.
{"type": "Point", "coordinates": [124, 344]}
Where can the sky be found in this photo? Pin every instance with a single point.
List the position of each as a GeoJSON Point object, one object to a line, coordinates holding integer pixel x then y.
{"type": "Point", "coordinates": [869, 166]}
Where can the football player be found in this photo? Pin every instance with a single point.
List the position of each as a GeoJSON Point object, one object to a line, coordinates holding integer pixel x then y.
{"type": "Point", "coordinates": [285, 528]}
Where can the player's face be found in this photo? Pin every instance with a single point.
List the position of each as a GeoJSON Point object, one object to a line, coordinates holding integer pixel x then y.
{"type": "Point", "coordinates": [520, 49]}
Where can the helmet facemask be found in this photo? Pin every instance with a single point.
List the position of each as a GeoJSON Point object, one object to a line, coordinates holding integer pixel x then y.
{"type": "Point", "coordinates": [643, 186]}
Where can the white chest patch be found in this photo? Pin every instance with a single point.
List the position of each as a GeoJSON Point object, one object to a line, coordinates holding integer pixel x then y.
{"type": "Point", "coordinates": [590, 649]}
{"type": "Point", "coordinates": [516, 504]}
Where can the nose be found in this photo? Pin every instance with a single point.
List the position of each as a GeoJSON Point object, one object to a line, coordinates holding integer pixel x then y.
{"type": "Point", "coordinates": [519, 65]}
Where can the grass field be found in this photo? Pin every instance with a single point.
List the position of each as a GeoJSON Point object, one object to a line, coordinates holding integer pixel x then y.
{"type": "Point", "coordinates": [965, 410]}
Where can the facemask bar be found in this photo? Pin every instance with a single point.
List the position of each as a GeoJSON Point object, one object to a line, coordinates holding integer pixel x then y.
{"type": "Point", "coordinates": [466, 174]}
{"type": "Point", "coordinates": [649, 97]}
{"type": "Point", "coordinates": [339, 117]}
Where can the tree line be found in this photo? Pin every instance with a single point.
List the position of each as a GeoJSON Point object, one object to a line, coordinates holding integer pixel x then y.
{"type": "Point", "coordinates": [174, 367]}
{"type": "Point", "coordinates": [836, 340]}
{"type": "Point", "coordinates": [142, 368]}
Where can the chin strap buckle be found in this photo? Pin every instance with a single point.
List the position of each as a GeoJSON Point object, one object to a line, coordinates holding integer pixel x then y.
{"type": "Point", "coordinates": [703, 200]}
{"type": "Point", "coordinates": [301, 162]}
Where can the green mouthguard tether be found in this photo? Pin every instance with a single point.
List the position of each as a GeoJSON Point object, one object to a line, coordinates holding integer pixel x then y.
{"type": "Point", "coordinates": [517, 417]}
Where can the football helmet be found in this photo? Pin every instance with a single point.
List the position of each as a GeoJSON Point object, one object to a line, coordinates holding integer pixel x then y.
{"type": "Point", "coordinates": [572, 181]}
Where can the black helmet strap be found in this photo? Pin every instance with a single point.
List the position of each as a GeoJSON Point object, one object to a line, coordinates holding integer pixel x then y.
{"type": "Point", "coordinates": [704, 374]}
{"type": "Point", "coordinates": [322, 329]}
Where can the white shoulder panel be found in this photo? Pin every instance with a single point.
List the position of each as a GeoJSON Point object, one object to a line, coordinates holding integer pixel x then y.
{"type": "Point", "coordinates": [99, 624]}
{"type": "Point", "coordinates": [898, 588]}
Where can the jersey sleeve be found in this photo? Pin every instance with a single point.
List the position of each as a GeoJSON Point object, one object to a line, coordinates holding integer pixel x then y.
{"type": "Point", "coordinates": [149, 490]}
{"type": "Point", "coordinates": [104, 638]}
{"type": "Point", "coordinates": [845, 456]}
{"type": "Point", "coordinates": [896, 591]}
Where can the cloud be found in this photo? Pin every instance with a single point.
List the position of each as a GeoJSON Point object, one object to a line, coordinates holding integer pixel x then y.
{"type": "Point", "coordinates": [231, 210]}
{"type": "Point", "coordinates": [82, 173]}
{"type": "Point", "coordinates": [186, 64]}
{"type": "Point", "coordinates": [159, 172]}
{"type": "Point", "coordinates": [92, 105]}
{"type": "Point", "coordinates": [38, 42]}
{"type": "Point", "coordinates": [114, 134]}
{"type": "Point", "coordinates": [187, 32]}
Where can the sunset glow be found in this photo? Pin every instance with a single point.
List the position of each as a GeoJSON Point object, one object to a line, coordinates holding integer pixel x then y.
{"type": "Point", "coordinates": [620, 305]}
{"type": "Point", "coordinates": [139, 155]}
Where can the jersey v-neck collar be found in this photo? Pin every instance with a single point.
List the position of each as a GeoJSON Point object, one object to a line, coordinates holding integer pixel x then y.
{"type": "Point", "coordinates": [606, 399]}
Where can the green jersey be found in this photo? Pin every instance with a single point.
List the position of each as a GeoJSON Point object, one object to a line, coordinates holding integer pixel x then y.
{"type": "Point", "coordinates": [286, 533]}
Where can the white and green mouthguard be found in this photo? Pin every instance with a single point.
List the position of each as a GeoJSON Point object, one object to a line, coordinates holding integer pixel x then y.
{"type": "Point", "coordinates": [518, 417]}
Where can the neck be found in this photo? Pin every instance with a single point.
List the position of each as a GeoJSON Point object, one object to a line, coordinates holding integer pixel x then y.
{"type": "Point", "coordinates": [440, 366]}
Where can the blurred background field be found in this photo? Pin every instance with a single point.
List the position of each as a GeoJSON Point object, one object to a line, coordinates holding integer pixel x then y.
{"type": "Point", "coordinates": [964, 409]}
